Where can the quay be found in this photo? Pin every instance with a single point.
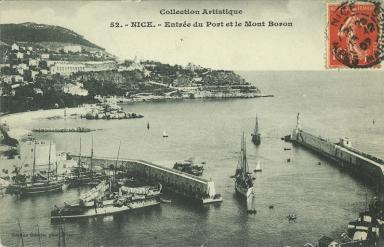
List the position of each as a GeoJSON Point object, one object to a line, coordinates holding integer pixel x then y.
{"type": "Point", "coordinates": [193, 187]}
{"type": "Point", "coordinates": [367, 166]}
{"type": "Point", "coordinates": [75, 129]}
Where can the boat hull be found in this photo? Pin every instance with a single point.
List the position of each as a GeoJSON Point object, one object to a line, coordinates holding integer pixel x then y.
{"type": "Point", "coordinates": [256, 139]}
{"type": "Point", "coordinates": [107, 210]}
{"type": "Point", "coordinates": [36, 188]}
{"type": "Point", "coordinates": [244, 191]}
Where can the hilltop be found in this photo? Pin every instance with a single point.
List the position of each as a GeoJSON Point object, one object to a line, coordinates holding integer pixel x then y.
{"type": "Point", "coordinates": [36, 33]}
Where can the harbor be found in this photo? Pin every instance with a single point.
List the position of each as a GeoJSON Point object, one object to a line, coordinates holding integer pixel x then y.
{"type": "Point", "coordinates": [196, 188]}
{"type": "Point", "coordinates": [297, 202]}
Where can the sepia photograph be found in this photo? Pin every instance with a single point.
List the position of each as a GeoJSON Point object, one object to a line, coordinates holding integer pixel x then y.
{"type": "Point", "coordinates": [191, 123]}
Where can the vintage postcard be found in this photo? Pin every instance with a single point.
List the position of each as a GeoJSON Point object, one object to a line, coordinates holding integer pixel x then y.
{"type": "Point", "coordinates": [191, 123]}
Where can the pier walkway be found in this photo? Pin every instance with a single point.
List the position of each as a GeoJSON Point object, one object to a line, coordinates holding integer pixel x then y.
{"type": "Point", "coordinates": [190, 186]}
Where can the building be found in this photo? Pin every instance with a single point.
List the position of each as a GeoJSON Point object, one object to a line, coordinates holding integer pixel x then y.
{"type": "Point", "coordinates": [20, 71]}
{"type": "Point", "coordinates": [34, 73]}
{"type": "Point", "coordinates": [72, 48]}
{"type": "Point", "coordinates": [14, 47]}
{"type": "Point", "coordinates": [45, 56]}
{"type": "Point", "coordinates": [75, 89]}
{"type": "Point", "coordinates": [22, 66]}
{"type": "Point", "coordinates": [66, 68]}
{"type": "Point", "coordinates": [4, 65]}
{"type": "Point", "coordinates": [39, 152]}
{"type": "Point", "coordinates": [19, 55]}
{"type": "Point", "coordinates": [99, 65]}
{"type": "Point", "coordinates": [33, 62]}
{"type": "Point", "coordinates": [44, 71]}
{"type": "Point", "coordinates": [17, 78]}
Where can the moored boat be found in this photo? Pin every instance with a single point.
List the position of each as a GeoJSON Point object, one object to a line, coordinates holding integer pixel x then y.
{"type": "Point", "coordinates": [187, 166]}
{"type": "Point", "coordinates": [256, 137]}
{"type": "Point", "coordinates": [101, 200]}
{"type": "Point", "coordinates": [38, 183]}
{"type": "Point", "coordinates": [243, 179]}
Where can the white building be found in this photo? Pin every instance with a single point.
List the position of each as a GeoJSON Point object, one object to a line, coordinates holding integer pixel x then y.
{"type": "Point", "coordinates": [44, 71]}
{"type": "Point", "coordinates": [20, 71]}
{"type": "Point", "coordinates": [14, 47]}
{"type": "Point", "coordinates": [33, 74]}
{"type": "Point", "coordinates": [72, 48]}
{"type": "Point", "coordinates": [66, 68]}
{"type": "Point", "coordinates": [38, 151]}
{"type": "Point", "coordinates": [33, 62]}
{"type": "Point", "coordinates": [22, 66]}
{"type": "Point", "coordinates": [20, 55]}
{"type": "Point", "coordinates": [75, 89]}
{"type": "Point", "coordinates": [45, 56]}
{"type": "Point", "coordinates": [17, 78]}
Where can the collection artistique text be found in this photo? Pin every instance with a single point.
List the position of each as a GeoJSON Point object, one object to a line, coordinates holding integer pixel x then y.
{"type": "Point", "coordinates": [201, 12]}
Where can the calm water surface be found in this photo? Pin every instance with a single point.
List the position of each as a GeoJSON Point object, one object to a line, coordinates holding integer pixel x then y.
{"type": "Point", "coordinates": [333, 104]}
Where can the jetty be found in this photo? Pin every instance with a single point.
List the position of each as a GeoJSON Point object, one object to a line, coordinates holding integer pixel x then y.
{"type": "Point", "coordinates": [75, 129]}
{"type": "Point", "coordinates": [367, 166]}
{"type": "Point", "coordinates": [187, 185]}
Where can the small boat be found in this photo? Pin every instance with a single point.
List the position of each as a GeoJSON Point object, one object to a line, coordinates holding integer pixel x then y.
{"type": "Point", "coordinates": [120, 205]}
{"type": "Point", "coordinates": [81, 175]}
{"type": "Point", "coordinates": [258, 167]}
{"type": "Point", "coordinates": [165, 200]}
{"type": "Point", "coordinates": [148, 126]}
{"type": "Point", "coordinates": [289, 160]}
{"type": "Point", "coordinates": [38, 184]}
{"type": "Point", "coordinates": [188, 167]}
{"type": "Point", "coordinates": [251, 204]}
{"type": "Point", "coordinates": [292, 217]}
{"type": "Point", "coordinates": [286, 149]}
{"type": "Point", "coordinates": [165, 134]}
{"type": "Point", "coordinates": [101, 202]}
{"type": "Point", "coordinates": [243, 179]}
{"type": "Point", "coordinates": [256, 137]}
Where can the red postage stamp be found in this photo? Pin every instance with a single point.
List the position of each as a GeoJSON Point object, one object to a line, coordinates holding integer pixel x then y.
{"type": "Point", "coordinates": [354, 35]}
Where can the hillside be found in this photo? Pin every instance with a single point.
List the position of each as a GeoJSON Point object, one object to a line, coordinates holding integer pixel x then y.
{"type": "Point", "coordinates": [36, 33]}
{"type": "Point", "coordinates": [45, 66]}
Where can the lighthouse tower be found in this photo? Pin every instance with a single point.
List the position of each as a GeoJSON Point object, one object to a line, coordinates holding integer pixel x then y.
{"type": "Point", "coordinates": [296, 131]}
{"type": "Point", "coordinates": [298, 125]}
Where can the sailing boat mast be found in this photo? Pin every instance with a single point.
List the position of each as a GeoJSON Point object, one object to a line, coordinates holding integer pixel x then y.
{"type": "Point", "coordinates": [49, 159]}
{"type": "Point", "coordinates": [117, 158]}
{"type": "Point", "coordinates": [34, 162]}
{"type": "Point", "coordinates": [256, 126]}
{"type": "Point", "coordinates": [79, 163]}
{"type": "Point", "coordinates": [90, 168]}
{"type": "Point", "coordinates": [245, 157]}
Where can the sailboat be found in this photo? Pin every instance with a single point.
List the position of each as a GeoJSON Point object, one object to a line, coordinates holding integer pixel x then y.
{"type": "Point", "coordinates": [251, 204]}
{"type": "Point", "coordinates": [81, 175]}
{"type": "Point", "coordinates": [165, 134]}
{"type": "Point", "coordinates": [256, 139]}
{"type": "Point", "coordinates": [258, 167]}
{"type": "Point", "coordinates": [38, 183]}
{"type": "Point", "coordinates": [243, 179]}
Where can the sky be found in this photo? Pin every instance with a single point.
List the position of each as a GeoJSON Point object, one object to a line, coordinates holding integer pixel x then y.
{"type": "Point", "coordinates": [300, 47]}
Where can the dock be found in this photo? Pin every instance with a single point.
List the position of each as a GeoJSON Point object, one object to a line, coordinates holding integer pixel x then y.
{"type": "Point", "coordinates": [367, 166]}
{"type": "Point", "coordinates": [193, 187]}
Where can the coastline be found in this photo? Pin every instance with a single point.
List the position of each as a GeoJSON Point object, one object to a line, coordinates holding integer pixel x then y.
{"type": "Point", "coordinates": [13, 118]}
